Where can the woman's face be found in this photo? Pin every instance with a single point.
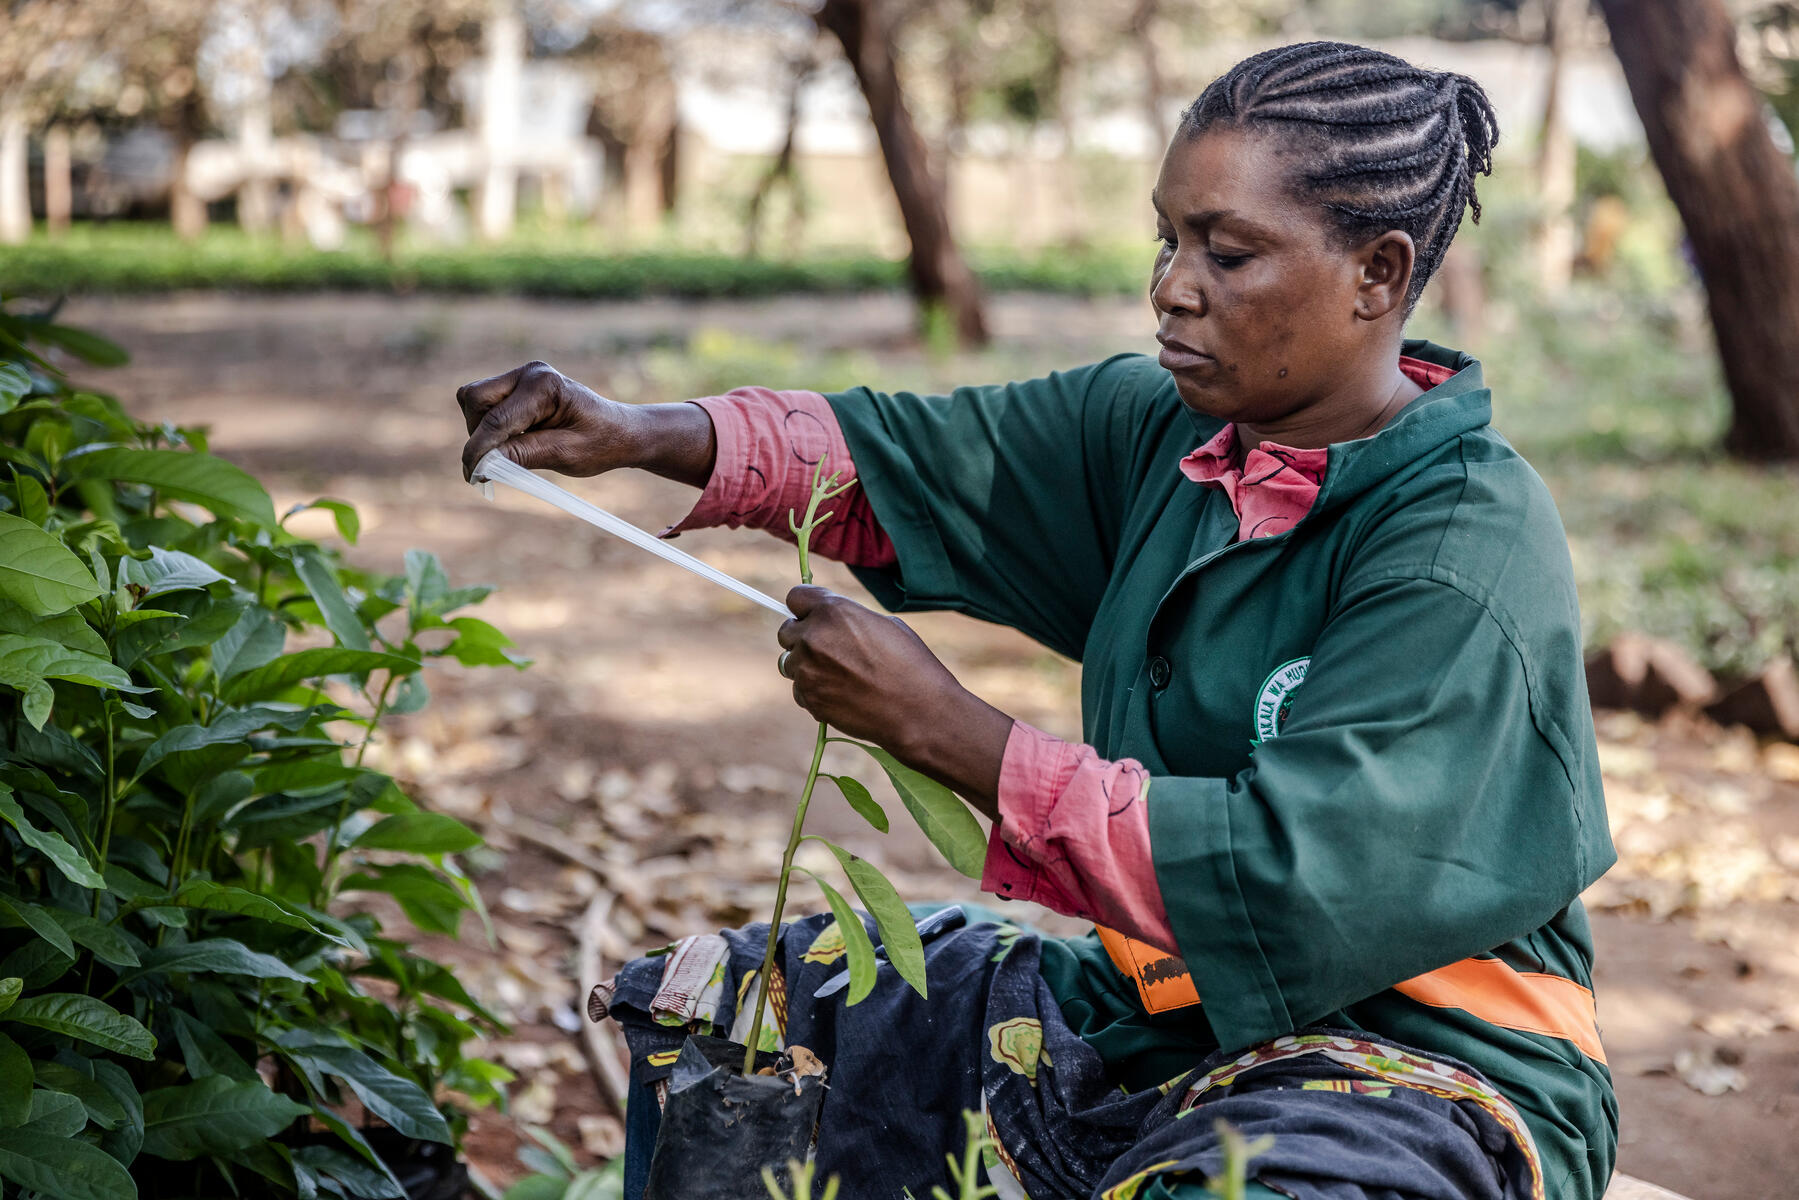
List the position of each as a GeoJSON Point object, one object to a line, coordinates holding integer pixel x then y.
{"type": "Point", "coordinates": [1262, 311]}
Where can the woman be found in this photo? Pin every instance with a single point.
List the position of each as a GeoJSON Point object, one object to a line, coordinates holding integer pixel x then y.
{"type": "Point", "coordinates": [1339, 791]}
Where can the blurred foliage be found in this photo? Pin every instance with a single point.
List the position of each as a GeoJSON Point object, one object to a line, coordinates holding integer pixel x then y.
{"type": "Point", "coordinates": [1613, 391]}
{"type": "Point", "coordinates": [143, 258]}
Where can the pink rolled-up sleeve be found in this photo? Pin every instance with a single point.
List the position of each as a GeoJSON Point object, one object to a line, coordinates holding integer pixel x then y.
{"type": "Point", "coordinates": [769, 443]}
{"type": "Point", "coordinates": [1073, 836]}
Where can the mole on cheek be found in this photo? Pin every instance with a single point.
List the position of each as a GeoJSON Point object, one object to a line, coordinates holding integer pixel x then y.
{"type": "Point", "coordinates": [1283, 374]}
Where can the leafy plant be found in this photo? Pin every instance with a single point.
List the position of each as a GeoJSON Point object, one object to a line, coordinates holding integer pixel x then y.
{"type": "Point", "coordinates": [799, 1177]}
{"type": "Point", "coordinates": [186, 693]}
{"type": "Point", "coordinates": [945, 820]}
{"type": "Point", "coordinates": [557, 1176]}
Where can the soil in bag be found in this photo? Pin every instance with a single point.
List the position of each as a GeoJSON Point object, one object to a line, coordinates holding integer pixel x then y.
{"type": "Point", "coordinates": [720, 1128]}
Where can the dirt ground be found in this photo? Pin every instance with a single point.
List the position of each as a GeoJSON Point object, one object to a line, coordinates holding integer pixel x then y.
{"type": "Point", "coordinates": [650, 754]}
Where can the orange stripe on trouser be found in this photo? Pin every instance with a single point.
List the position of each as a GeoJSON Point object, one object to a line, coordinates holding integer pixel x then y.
{"type": "Point", "coordinates": [1486, 987]}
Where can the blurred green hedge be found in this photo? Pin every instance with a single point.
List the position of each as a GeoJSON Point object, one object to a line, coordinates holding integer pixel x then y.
{"type": "Point", "coordinates": [123, 258]}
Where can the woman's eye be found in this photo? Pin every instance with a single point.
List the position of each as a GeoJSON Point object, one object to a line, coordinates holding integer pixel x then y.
{"type": "Point", "coordinates": [1229, 262]}
{"type": "Point", "coordinates": [1166, 242]}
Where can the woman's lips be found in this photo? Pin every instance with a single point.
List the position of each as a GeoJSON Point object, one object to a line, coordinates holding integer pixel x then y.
{"type": "Point", "coordinates": [1177, 356]}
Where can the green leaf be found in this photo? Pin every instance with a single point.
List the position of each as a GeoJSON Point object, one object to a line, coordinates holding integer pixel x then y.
{"type": "Point", "coordinates": [349, 525]}
{"type": "Point", "coordinates": [83, 344]}
{"type": "Point", "coordinates": [427, 586]}
{"type": "Point", "coordinates": [55, 1113]}
{"type": "Point", "coordinates": [38, 920]}
{"type": "Point", "coordinates": [99, 1104]}
{"type": "Point", "coordinates": [357, 1178]}
{"type": "Point", "coordinates": [62, 1168]}
{"type": "Point", "coordinates": [213, 897]}
{"type": "Point", "coordinates": [479, 644]}
{"type": "Point", "coordinates": [32, 658]}
{"type": "Point", "coordinates": [65, 857]}
{"type": "Point", "coordinates": [290, 669]}
{"type": "Point", "coordinates": [85, 1019]}
{"type": "Point", "coordinates": [218, 956]}
{"type": "Point", "coordinates": [10, 990]}
{"type": "Point", "coordinates": [865, 805]}
{"type": "Point", "coordinates": [40, 699]}
{"type": "Point", "coordinates": [899, 935]}
{"type": "Point", "coordinates": [861, 955]}
{"type": "Point", "coordinates": [229, 727]}
{"type": "Point", "coordinates": [16, 1077]}
{"type": "Point", "coordinates": [124, 1142]}
{"type": "Point", "coordinates": [419, 833]}
{"type": "Point", "coordinates": [538, 1187]}
{"type": "Point", "coordinates": [167, 571]}
{"type": "Point", "coordinates": [109, 944]}
{"type": "Point", "coordinates": [205, 1052]}
{"type": "Point", "coordinates": [70, 628]}
{"type": "Point", "coordinates": [38, 572]}
{"type": "Point", "coordinates": [256, 639]}
{"type": "Point", "coordinates": [34, 505]}
{"type": "Point", "coordinates": [321, 583]}
{"type": "Point", "coordinates": [431, 903]}
{"type": "Point", "coordinates": [215, 1115]}
{"type": "Point", "coordinates": [352, 1137]}
{"type": "Point", "coordinates": [945, 819]}
{"type": "Point", "coordinates": [210, 482]}
{"type": "Point", "coordinates": [397, 1100]}
{"type": "Point", "coordinates": [15, 381]}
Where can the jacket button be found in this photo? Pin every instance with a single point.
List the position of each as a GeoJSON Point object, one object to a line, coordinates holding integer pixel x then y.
{"type": "Point", "coordinates": [1159, 671]}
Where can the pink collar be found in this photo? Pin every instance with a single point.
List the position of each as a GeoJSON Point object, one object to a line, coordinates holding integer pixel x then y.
{"type": "Point", "coordinates": [1277, 485]}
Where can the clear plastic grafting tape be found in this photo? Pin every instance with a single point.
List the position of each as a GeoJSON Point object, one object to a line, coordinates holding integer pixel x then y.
{"type": "Point", "coordinates": [495, 467]}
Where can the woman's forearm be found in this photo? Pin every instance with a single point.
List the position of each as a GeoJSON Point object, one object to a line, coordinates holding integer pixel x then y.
{"type": "Point", "coordinates": [961, 743]}
{"type": "Point", "coordinates": [675, 441]}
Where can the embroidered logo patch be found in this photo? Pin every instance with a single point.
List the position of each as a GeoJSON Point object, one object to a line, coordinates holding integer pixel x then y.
{"type": "Point", "coordinates": [1276, 697]}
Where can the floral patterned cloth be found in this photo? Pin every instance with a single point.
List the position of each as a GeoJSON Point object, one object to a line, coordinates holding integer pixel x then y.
{"type": "Point", "coordinates": [1350, 1117]}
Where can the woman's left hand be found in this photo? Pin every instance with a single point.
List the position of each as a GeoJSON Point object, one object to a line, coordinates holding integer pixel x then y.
{"type": "Point", "coordinates": [870, 677]}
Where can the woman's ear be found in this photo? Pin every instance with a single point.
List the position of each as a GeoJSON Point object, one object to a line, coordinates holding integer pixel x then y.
{"type": "Point", "coordinates": [1386, 275]}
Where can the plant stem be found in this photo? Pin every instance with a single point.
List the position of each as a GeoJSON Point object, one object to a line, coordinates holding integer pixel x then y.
{"type": "Point", "coordinates": [823, 488]}
{"type": "Point", "coordinates": [326, 882]}
{"type": "Point", "coordinates": [106, 801]}
{"type": "Point", "coordinates": [774, 926]}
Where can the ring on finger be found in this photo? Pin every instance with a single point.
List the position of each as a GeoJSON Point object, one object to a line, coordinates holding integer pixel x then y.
{"type": "Point", "coordinates": [781, 664]}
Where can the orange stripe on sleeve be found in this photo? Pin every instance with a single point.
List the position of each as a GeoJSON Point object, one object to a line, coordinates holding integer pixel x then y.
{"type": "Point", "coordinates": [1529, 1001]}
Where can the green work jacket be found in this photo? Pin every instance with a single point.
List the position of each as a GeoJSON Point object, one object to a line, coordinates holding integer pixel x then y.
{"type": "Point", "coordinates": [1369, 740]}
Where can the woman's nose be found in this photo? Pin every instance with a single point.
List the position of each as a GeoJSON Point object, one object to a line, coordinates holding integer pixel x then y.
{"type": "Point", "coordinates": [1178, 290]}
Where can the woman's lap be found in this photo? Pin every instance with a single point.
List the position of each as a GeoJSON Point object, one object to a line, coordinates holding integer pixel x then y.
{"type": "Point", "coordinates": [904, 1068]}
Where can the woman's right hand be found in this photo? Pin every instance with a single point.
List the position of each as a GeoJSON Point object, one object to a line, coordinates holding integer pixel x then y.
{"type": "Point", "coordinates": [540, 418]}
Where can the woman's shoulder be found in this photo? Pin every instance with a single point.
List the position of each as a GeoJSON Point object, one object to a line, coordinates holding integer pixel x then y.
{"type": "Point", "coordinates": [1480, 519]}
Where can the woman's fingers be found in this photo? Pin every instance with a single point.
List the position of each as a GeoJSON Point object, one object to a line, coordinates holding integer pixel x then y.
{"type": "Point", "coordinates": [505, 421]}
{"type": "Point", "coordinates": [475, 399]}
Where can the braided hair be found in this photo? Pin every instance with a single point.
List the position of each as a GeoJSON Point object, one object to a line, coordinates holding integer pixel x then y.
{"type": "Point", "coordinates": [1386, 145]}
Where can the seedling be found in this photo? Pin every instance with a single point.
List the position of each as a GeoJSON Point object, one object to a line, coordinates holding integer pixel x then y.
{"type": "Point", "coordinates": [945, 820]}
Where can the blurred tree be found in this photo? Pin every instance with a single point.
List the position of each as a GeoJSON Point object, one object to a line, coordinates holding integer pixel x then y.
{"type": "Point", "coordinates": [1737, 195]}
{"type": "Point", "coordinates": [397, 59]}
{"type": "Point", "coordinates": [153, 47]}
{"type": "Point", "coordinates": [940, 275]}
{"type": "Point", "coordinates": [801, 67]}
{"type": "Point", "coordinates": [635, 118]}
{"type": "Point", "coordinates": [45, 44]}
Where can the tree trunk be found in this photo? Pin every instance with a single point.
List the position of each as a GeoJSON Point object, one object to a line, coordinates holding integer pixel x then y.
{"type": "Point", "coordinates": [1155, 87]}
{"type": "Point", "coordinates": [781, 170]}
{"type": "Point", "coordinates": [503, 42]}
{"type": "Point", "coordinates": [1737, 196]}
{"type": "Point", "coordinates": [59, 187]}
{"type": "Point", "coordinates": [15, 185]}
{"type": "Point", "coordinates": [939, 273]}
{"type": "Point", "coordinates": [187, 212]}
{"type": "Point", "coordinates": [1556, 157]}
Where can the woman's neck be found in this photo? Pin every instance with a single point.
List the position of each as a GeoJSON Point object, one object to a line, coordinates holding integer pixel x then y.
{"type": "Point", "coordinates": [1358, 408]}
